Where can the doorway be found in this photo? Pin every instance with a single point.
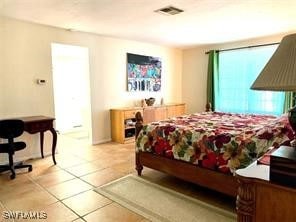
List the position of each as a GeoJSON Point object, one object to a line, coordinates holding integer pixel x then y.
{"type": "Point", "coordinates": [70, 68]}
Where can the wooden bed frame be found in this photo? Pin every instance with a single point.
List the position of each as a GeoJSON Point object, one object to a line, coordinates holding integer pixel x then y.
{"type": "Point", "coordinates": [215, 180]}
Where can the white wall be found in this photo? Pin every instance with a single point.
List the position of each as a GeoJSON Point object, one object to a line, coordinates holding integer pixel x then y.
{"type": "Point", "coordinates": [195, 65]}
{"type": "Point", "coordinates": [109, 82]}
{"type": "Point", "coordinates": [26, 55]}
{"type": "Point", "coordinates": [194, 84]}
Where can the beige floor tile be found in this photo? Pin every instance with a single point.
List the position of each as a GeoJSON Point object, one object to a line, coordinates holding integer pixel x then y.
{"type": "Point", "coordinates": [23, 172]}
{"type": "Point", "coordinates": [54, 178]}
{"type": "Point", "coordinates": [39, 189]}
{"type": "Point", "coordinates": [86, 202]}
{"type": "Point", "coordinates": [113, 212]}
{"type": "Point", "coordinates": [101, 177]}
{"type": "Point", "coordinates": [29, 200]}
{"type": "Point", "coordinates": [4, 216]}
{"type": "Point", "coordinates": [42, 166]}
{"type": "Point", "coordinates": [46, 161]}
{"type": "Point", "coordinates": [125, 167]}
{"type": "Point", "coordinates": [69, 188]}
{"type": "Point", "coordinates": [68, 160]}
{"type": "Point", "coordinates": [17, 189]}
{"type": "Point", "coordinates": [40, 171]}
{"type": "Point", "coordinates": [84, 169]}
{"type": "Point", "coordinates": [108, 162]}
{"type": "Point", "coordinates": [58, 212]}
{"type": "Point", "coordinates": [92, 155]}
{"type": "Point", "coordinates": [79, 220]}
{"type": "Point", "coordinates": [86, 155]}
{"type": "Point", "coordinates": [6, 181]}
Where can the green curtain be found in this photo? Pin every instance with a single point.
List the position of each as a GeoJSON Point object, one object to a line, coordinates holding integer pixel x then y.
{"type": "Point", "coordinates": [289, 101]}
{"type": "Point", "coordinates": [212, 73]}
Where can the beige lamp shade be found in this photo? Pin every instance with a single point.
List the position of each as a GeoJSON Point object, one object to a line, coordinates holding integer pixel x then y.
{"type": "Point", "coordinates": [279, 74]}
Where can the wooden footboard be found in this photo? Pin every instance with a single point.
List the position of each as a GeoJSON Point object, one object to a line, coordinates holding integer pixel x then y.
{"type": "Point", "coordinates": [223, 183]}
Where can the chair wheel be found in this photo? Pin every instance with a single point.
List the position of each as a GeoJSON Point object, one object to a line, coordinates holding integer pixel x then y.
{"type": "Point", "coordinates": [30, 168]}
{"type": "Point", "coordinates": [12, 176]}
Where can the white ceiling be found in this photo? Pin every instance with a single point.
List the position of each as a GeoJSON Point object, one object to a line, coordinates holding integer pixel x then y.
{"type": "Point", "coordinates": [202, 22]}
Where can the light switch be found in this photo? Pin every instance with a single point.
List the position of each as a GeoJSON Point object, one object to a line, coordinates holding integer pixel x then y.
{"type": "Point", "coordinates": [41, 81]}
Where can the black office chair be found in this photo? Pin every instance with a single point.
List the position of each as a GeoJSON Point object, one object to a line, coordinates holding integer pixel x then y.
{"type": "Point", "coordinates": [10, 129]}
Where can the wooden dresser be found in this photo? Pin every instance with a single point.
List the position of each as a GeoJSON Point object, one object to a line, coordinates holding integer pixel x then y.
{"type": "Point", "coordinates": [259, 199]}
{"type": "Point", "coordinates": [123, 119]}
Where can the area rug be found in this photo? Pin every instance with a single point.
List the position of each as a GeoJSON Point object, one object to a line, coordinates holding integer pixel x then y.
{"type": "Point", "coordinates": [158, 203]}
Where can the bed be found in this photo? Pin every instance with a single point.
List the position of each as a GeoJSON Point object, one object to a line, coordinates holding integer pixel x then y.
{"type": "Point", "coordinates": [206, 148]}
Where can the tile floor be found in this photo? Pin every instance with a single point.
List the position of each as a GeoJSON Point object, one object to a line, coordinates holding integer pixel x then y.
{"type": "Point", "coordinates": [64, 192]}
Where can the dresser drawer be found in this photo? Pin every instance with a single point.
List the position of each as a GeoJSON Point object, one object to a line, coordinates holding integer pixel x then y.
{"type": "Point", "coordinates": [34, 127]}
{"type": "Point", "coordinates": [131, 113]}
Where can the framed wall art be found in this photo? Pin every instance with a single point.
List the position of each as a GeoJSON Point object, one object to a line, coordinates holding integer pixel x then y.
{"type": "Point", "coordinates": [143, 73]}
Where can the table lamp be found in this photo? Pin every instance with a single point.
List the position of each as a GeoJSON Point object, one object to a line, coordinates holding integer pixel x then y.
{"type": "Point", "coordinates": [279, 74]}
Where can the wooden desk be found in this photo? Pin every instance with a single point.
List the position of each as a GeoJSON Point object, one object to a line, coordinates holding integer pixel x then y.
{"type": "Point", "coordinates": [40, 124]}
{"type": "Point", "coordinates": [260, 200]}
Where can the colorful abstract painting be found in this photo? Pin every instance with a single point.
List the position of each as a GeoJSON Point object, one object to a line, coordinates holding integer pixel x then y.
{"type": "Point", "coordinates": [143, 73]}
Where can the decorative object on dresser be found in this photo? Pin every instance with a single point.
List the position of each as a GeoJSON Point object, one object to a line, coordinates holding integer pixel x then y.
{"type": "Point", "coordinates": [123, 119]}
{"type": "Point", "coordinates": [150, 101]}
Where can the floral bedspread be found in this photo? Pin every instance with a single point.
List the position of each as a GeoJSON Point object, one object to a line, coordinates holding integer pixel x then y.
{"type": "Point", "coordinates": [218, 141]}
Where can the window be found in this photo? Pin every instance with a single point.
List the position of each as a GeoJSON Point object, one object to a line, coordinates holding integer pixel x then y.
{"type": "Point", "coordinates": [237, 71]}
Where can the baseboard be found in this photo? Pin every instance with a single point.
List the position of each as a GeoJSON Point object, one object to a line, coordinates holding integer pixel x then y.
{"type": "Point", "coordinates": [101, 141]}
{"type": "Point", "coordinates": [25, 158]}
